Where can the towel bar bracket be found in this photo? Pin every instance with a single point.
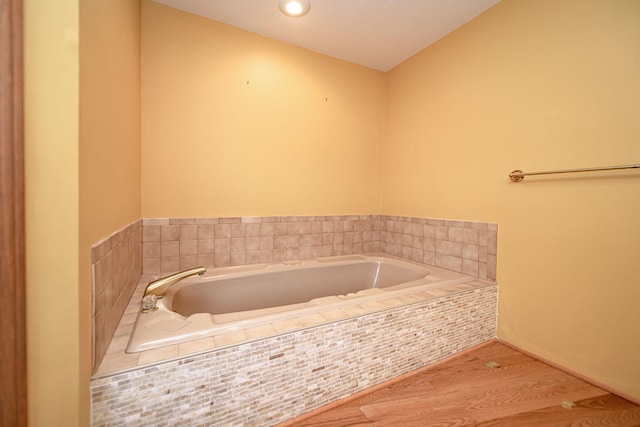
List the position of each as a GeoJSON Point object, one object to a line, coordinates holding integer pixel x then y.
{"type": "Point", "coordinates": [516, 175]}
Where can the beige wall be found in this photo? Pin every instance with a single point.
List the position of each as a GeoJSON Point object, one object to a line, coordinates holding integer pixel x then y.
{"type": "Point", "coordinates": [237, 124]}
{"type": "Point", "coordinates": [51, 179]}
{"type": "Point", "coordinates": [109, 138]}
{"type": "Point", "coordinates": [535, 85]}
{"type": "Point", "coordinates": [109, 116]}
{"type": "Point", "coordinates": [82, 143]}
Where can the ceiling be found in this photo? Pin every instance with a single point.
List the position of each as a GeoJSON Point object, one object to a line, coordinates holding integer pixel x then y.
{"type": "Point", "coordinates": [378, 34]}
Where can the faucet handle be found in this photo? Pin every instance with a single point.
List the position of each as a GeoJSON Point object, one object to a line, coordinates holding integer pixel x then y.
{"type": "Point", "coordinates": [149, 303]}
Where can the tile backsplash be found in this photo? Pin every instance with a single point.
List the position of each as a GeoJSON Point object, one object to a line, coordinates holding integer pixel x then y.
{"type": "Point", "coordinates": [463, 246]}
{"type": "Point", "coordinates": [116, 269]}
{"type": "Point", "coordinates": [160, 246]}
{"type": "Point", "coordinates": [171, 244]}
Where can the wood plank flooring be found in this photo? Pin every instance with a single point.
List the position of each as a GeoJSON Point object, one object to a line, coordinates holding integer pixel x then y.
{"type": "Point", "coordinates": [493, 385]}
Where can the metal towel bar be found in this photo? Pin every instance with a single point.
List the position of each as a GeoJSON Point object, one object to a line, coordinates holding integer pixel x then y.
{"type": "Point", "coordinates": [517, 175]}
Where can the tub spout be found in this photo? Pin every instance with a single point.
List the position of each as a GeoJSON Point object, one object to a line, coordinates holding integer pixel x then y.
{"type": "Point", "coordinates": [159, 287]}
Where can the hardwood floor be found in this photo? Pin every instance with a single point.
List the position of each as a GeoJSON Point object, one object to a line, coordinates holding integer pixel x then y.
{"type": "Point", "coordinates": [493, 385]}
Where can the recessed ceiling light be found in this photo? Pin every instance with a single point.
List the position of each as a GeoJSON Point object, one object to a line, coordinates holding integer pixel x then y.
{"type": "Point", "coordinates": [294, 7]}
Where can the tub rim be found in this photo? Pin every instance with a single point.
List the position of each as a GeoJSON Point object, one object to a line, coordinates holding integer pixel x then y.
{"type": "Point", "coordinates": [157, 329]}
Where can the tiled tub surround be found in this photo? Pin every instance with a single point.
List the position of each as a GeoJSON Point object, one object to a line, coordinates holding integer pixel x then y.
{"type": "Point", "coordinates": [162, 246]}
{"type": "Point", "coordinates": [173, 244]}
{"type": "Point", "coordinates": [271, 374]}
{"type": "Point", "coordinates": [463, 246]}
{"type": "Point", "coordinates": [116, 269]}
{"type": "Point", "coordinates": [267, 374]}
{"type": "Point", "coordinates": [170, 245]}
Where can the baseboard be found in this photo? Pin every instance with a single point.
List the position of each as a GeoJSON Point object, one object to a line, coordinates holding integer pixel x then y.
{"type": "Point", "coordinates": [571, 372]}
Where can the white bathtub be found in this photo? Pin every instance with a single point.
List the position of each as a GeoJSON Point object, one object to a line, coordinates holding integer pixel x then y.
{"type": "Point", "coordinates": [232, 298]}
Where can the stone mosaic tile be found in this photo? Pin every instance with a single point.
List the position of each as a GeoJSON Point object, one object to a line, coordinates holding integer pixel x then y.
{"type": "Point", "coordinates": [270, 380]}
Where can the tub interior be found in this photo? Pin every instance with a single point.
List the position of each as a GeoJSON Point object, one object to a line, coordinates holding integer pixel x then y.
{"type": "Point", "coordinates": [234, 298]}
{"type": "Point", "coordinates": [223, 295]}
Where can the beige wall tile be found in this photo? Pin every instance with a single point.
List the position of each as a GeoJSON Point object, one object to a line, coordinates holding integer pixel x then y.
{"type": "Point", "coordinates": [150, 250]}
{"type": "Point", "coordinates": [187, 262]}
{"type": "Point", "coordinates": [169, 265]}
{"type": "Point", "coordinates": [170, 249]}
{"type": "Point", "coordinates": [188, 247]}
{"type": "Point", "coordinates": [205, 246]}
{"type": "Point", "coordinates": [238, 230]}
{"type": "Point", "coordinates": [206, 231]}
{"type": "Point", "coordinates": [189, 232]}
{"type": "Point", "coordinates": [222, 231]}
{"type": "Point", "coordinates": [206, 260]}
{"type": "Point", "coordinates": [221, 246]}
{"type": "Point", "coordinates": [151, 233]}
{"type": "Point", "coordinates": [169, 233]}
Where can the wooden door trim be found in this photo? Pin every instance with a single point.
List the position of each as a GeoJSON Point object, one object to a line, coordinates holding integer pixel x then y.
{"type": "Point", "coordinates": [13, 376]}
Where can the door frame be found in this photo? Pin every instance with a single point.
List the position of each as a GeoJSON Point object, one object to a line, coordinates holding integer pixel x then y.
{"type": "Point", "coordinates": [13, 360]}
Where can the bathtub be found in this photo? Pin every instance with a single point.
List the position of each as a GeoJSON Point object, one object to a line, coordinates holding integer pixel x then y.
{"type": "Point", "coordinates": [233, 298]}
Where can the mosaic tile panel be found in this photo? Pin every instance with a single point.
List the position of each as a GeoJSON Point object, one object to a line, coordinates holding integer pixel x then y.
{"type": "Point", "coordinates": [270, 380]}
